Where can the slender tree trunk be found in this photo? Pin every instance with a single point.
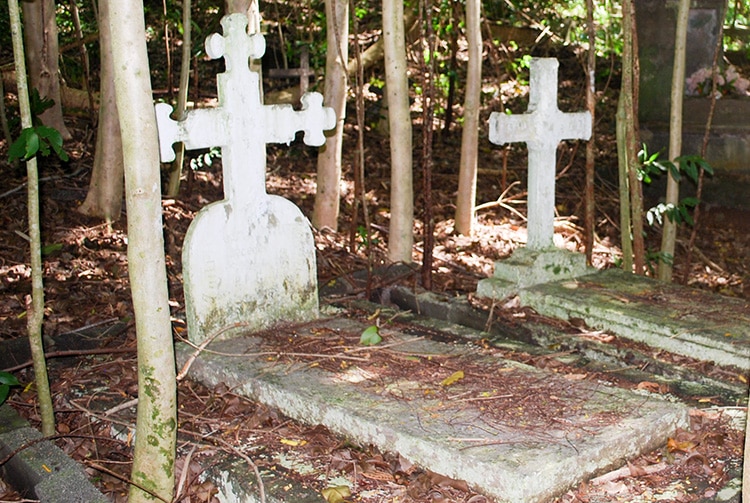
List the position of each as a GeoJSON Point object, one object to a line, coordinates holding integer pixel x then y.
{"type": "Point", "coordinates": [452, 70]}
{"type": "Point", "coordinates": [153, 463]}
{"type": "Point", "coordinates": [626, 237]}
{"type": "Point", "coordinates": [467, 176]}
{"type": "Point", "coordinates": [104, 198]}
{"type": "Point", "coordinates": [85, 62]}
{"type": "Point", "coordinates": [590, 197]}
{"type": "Point", "coordinates": [376, 52]}
{"type": "Point", "coordinates": [429, 71]}
{"type": "Point", "coordinates": [40, 31]}
{"type": "Point", "coordinates": [326, 212]}
{"type": "Point", "coordinates": [669, 231]}
{"type": "Point", "coordinates": [35, 305]}
{"type": "Point", "coordinates": [704, 148]}
{"type": "Point", "coordinates": [175, 174]}
{"type": "Point", "coordinates": [746, 464]}
{"type": "Point", "coordinates": [401, 232]}
{"type": "Point", "coordinates": [629, 90]}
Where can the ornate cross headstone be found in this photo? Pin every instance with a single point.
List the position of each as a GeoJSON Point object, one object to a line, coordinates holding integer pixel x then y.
{"type": "Point", "coordinates": [248, 260]}
{"type": "Point", "coordinates": [542, 127]}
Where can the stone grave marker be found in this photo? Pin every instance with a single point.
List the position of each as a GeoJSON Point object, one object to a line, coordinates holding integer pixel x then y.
{"type": "Point", "coordinates": [542, 128]}
{"type": "Point", "coordinates": [248, 260]}
{"type": "Point", "coordinates": [304, 72]}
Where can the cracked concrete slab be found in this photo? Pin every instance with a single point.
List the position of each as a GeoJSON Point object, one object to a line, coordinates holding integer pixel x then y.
{"type": "Point", "coordinates": [528, 459]}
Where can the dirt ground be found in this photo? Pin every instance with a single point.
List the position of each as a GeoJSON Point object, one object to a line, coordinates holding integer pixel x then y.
{"type": "Point", "coordinates": [86, 285]}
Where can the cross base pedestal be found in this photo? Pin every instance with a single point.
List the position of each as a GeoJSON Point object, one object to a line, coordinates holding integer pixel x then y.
{"type": "Point", "coordinates": [527, 267]}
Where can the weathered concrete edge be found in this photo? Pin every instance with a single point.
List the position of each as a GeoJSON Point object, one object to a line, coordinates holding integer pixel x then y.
{"type": "Point", "coordinates": [237, 483]}
{"type": "Point", "coordinates": [42, 470]}
{"type": "Point", "coordinates": [686, 343]}
{"type": "Point", "coordinates": [457, 310]}
{"type": "Point", "coordinates": [554, 477]}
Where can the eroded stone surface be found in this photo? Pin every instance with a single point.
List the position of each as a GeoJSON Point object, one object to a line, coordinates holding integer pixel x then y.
{"type": "Point", "coordinates": [542, 128]}
{"type": "Point", "coordinates": [248, 260]}
{"type": "Point", "coordinates": [527, 457]}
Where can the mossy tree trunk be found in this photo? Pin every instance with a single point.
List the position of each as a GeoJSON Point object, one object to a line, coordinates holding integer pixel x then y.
{"type": "Point", "coordinates": [153, 464]}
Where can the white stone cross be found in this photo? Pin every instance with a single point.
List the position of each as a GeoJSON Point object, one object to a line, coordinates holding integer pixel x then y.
{"type": "Point", "coordinates": [542, 128]}
{"type": "Point", "coordinates": [241, 125]}
{"type": "Point", "coordinates": [248, 261]}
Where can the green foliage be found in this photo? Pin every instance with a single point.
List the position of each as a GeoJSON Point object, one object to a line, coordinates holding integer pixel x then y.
{"type": "Point", "coordinates": [205, 160]}
{"type": "Point", "coordinates": [39, 105]}
{"type": "Point", "coordinates": [364, 238]}
{"type": "Point", "coordinates": [679, 214]}
{"type": "Point", "coordinates": [7, 381]}
{"type": "Point", "coordinates": [689, 165]}
{"type": "Point", "coordinates": [37, 140]}
{"type": "Point", "coordinates": [370, 336]}
{"type": "Point", "coordinates": [519, 67]}
{"type": "Point", "coordinates": [654, 258]}
{"type": "Point", "coordinates": [738, 16]}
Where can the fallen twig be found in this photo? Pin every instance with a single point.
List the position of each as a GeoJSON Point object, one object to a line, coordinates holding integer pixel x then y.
{"type": "Point", "coordinates": [184, 473]}
{"type": "Point", "coordinates": [74, 352]}
{"type": "Point", "coordinates": [202, 346]}
{"type": "Point", "coordinates": [227, 445]}
{"type": "Point", "coordinates": [628, 471]}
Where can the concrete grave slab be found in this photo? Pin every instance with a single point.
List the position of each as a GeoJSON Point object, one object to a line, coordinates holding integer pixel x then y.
{"type": "Point", "coordinates": [678, 319]}
{"type": "Point", "coordinates": [455, 316]}
{"type": "Point", "coordinates": [42, 470]}
{"type": "Point", "coordinates": [520, 457]}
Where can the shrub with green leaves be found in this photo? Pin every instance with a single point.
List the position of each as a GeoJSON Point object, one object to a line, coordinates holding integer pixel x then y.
{"type": "Point", "coordinates": [7, 381]}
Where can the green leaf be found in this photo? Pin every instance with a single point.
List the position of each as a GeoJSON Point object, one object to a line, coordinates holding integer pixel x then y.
{"type": "Point", "coordinates": [38, 104]}
{"type": "Point", "coordinates": [8, 379]}
{"type": "Point", "coordinates": [54, 139]}
{"type": "Point", "coordinates": [371, 336]}
{"type": "Point", "coordinates": [32, 145]}
{"type": "Point", "coordinates": [675, 172]}
{"type": "Point", "coordinates": [37, 140]}
{"type": "Point", "coordinates": [17, 149]}
{"type": "Point", "coordinates": [690, 202]}
{"type": "Point", "coordinates": [25, 147]}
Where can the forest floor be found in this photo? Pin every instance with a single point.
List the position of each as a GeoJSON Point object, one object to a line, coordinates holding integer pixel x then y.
{"type": "Point", "coordinates": [86, 283]}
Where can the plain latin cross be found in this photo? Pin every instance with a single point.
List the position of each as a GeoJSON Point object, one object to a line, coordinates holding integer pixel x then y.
{"type": "Point", "coordinates": [542, 128]}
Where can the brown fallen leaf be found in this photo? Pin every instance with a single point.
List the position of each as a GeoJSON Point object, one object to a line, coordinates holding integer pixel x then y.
{"type": "Point", "coordinates": [652, 387]}
{"type": "Point", "coordinates": [674, 445]}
